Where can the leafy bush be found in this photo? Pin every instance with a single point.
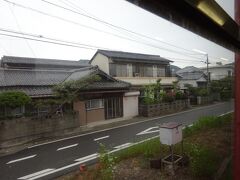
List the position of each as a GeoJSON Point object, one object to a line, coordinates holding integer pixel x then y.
{"type": "Point", "coordinates": [14, 99]}
{"type": "Point", "coordinates": [180, 95]}
{"type": "Point", "coordinates": [202, 92]}
{"type": "Point", "coordinates": [203, 162]}
{"type": "Point", "coordinates": [107, 163]}
{"type": "Point", "coordinates": [169, 97]}
{"type": "Point", "coordinates": [226, 94]}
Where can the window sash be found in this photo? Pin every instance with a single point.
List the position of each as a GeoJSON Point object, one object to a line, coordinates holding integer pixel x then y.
{"type": "Point", "coordinates": [94, 104]}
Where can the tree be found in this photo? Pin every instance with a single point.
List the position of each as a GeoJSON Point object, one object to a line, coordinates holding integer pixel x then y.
{"type": "Point", "coordinates": [14, 99]}
{"type": "Point", "coordinates": [68, 91]}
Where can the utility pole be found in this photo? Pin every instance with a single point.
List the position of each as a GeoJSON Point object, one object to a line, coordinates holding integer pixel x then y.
{"type": "Point", "coordinates": [208, 78]}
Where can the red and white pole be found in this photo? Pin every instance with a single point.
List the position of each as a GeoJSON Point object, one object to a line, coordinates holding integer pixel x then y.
{"type": "Point", "coordinates": [236, 145]}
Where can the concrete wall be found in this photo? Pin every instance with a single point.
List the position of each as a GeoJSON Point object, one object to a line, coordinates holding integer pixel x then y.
{"type": "Point", "coordinates": [130, 104]}
{"type": "Point", "coordinates": [18, 131]}
{"type": "Point", "coordinates": [102, 62]}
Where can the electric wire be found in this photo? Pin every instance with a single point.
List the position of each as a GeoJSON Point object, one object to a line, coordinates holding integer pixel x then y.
{"type": "Point", "coordinates": [76, 23]}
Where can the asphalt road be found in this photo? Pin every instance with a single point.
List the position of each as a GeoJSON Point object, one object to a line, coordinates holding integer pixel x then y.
{"type": "Point", "coordinates": [48, 161]}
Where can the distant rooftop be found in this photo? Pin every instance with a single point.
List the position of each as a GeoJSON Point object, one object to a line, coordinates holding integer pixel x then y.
{"type": "Point", "coordinates": [27, 62]}
{"type": "Point", "coordinates": [128, 56]}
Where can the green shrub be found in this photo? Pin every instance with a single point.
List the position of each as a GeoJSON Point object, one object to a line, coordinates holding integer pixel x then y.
{"type": "Point", "coordinates": [207, 122]}
{"type": "Point", "coordinates": [226, 94]}
{"type": "Point", "coordinates": [107, 162]}
{"type": "Point", "coordinates": [202, 92]}
{"type": "Point", "coordinates": [14, 99]}
{"type": "Point", "coordinates": [203, 162]}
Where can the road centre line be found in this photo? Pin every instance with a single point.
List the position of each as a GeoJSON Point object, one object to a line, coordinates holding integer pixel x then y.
{"type": "Point", "coordinates": [21, 159]}
{"type": "Point", "coordinates": [80, 135]}
{"type": "Point", "coordinates": [95, 156]}
{"type": "Point", "coordinates": [35, 174]}
{"type": "Point", "coordinates": [104, 137]}
{"type": "Point", "coordinates": [85, 159]}
{"type": "Point", "coordinates": [66, 147]}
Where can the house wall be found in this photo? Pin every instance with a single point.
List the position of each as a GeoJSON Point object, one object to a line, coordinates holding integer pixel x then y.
{"type": "Point", "coordinates": [219, 72]}
{"type": "Point", "coordinates": [87, 116]}
{"type": "Point", "coordinates": [181, 83]}
{"type": "Point", "coordinates": [79, 108]}
{"type": "Point", "coordinates": [95, 115]}
{"type": "Point", "coordinates": [130, 104]}
{"type": "Point", "coordinates": [102, 62]}
{"type": "Point", "coordinates": [147, 80]}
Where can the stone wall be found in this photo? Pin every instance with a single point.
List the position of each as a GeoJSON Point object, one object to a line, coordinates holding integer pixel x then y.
{"type": "Point", "coordinates": [163, 108]}
{"type": "Point", "coordinates": [19, 131]}
{"type": "Point", "coordinates": [204, 100]}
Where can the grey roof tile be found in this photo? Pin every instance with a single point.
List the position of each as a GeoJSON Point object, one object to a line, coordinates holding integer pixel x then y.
{"type": "Point", "coordinates": [128, 56]}
{"type": "Point", "coordinates": [39, 62]}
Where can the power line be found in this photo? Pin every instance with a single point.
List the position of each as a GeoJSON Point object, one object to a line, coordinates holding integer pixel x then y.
{"type": "Point", "coordinates": [18, 25]}
{"type": "Point", "coordinates": [51, 39]}
{"type": "Point", "coordinates": [118, 27]}
{"type": "Point", "coordinates": [76, 23]}
{"type": "Point", "coordinates": [76, 46]}
{"type": "Point", "coordinates": [45, 41]}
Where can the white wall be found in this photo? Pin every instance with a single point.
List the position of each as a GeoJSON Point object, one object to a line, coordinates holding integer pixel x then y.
{"type": "Point", "coordinates": [102, 62]}
{"type": "Point", "coordinates": [219, 72]}
{"type": "Point", "coordinates": [183, 82]}
{"type": "Point", "coordinates": [130, 104]}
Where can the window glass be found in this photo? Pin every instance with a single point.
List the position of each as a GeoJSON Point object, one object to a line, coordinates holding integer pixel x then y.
{"type": "Point", "coordinates": [94, 104]}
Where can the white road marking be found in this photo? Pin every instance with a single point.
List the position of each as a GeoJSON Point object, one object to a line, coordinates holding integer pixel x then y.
{"type": "Point", "coordinates": [66, 147]}
{"type": "Point", "coordinates": [190, 125]}
{"type": "Point", "coordinates": [161, 117]}
{"type": "Point", "coordinates": [123, 146]}
{"type": "Point", "coordinates": [104, 137]}
{"type": "Point", "coordinates": [95, 155]}
{"type": "Point", "coordinates": [84, 159]}
{"type": "Point", "coordinates": [21, 159]}
{"type": "Point", "coordinates": [226, 113]}
{"type": "Point", "coordinates": [149, 131]}
{"type": "Point", "coordinates": [35, 174]}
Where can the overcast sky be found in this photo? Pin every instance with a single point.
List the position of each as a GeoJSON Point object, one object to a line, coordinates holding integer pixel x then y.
{"type": "Point", "coordinates": [80, 29]}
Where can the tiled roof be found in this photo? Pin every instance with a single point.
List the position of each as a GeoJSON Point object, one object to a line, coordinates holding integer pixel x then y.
{"type": "Point", "coordinates": [40, 82]}
{"type": "Point", "coordinates": [23, 77]}
{"type": "Point", "coordinates": [128, 56]}
{"type": "Point", "coordinates": [38, 62]}
{"type": "Point", "coordinates": [33, 91]}
{"type": "Point", "coordinates": [188, 69]}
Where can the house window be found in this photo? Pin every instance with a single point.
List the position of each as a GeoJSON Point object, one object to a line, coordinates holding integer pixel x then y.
{"type": "Point", "coordinates": [94, 104]}
{"type": "Point", "coordinates": [142, 70]}
{"type": "Point", "coordinates": [161, 71]}
{"type": "Point", "coordinates": [118, 70]}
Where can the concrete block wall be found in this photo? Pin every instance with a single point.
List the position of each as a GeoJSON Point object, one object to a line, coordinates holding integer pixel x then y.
{"type": "Point", "coordinates": [18, 131]}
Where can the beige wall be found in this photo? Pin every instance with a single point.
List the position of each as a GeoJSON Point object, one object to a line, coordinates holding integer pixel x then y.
{"type": "Point", "coordinates": [95, 115]}
{"type": "Point", "coordinates": [148, 80]}
{"type": "Point", "coordinates": [130, 104]}
{"type": "Point", "coordinates": [89, 116]}
{"type": "Point", "coordinates": [79, 107]}
{"type": "Point", "coordinates": [102, 62]}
